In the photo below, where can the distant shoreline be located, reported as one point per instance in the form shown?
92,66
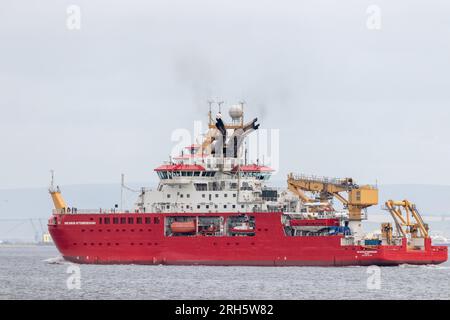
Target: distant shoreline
24,245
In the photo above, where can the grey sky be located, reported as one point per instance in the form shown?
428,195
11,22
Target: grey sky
104,100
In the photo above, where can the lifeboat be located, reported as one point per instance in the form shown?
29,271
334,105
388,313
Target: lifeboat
183,227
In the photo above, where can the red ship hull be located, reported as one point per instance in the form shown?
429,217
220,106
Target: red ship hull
81,238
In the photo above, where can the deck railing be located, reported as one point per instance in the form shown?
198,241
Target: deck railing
87,211
328,180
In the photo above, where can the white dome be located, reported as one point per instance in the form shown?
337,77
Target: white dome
236,112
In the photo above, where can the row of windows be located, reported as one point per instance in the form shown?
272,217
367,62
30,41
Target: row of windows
129,220
257,175
117,230
148,244
207,206
117,244
215,186
174,174
225,195
224,206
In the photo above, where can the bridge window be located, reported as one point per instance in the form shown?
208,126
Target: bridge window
115,220
139,220
163,175
123,220
208,173
148,220
106,220
200,186
130,220
156,220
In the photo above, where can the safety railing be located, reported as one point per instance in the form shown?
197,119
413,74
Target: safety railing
314,178
327,180
89,211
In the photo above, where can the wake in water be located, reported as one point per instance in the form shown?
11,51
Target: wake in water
412,266
56,260
436,267
427,266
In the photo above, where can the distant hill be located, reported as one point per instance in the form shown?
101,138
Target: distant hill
17,206
36,202
430,199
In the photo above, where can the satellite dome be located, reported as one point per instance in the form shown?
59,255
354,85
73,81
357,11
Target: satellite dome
236,112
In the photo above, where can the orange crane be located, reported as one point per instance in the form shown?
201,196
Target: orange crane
409,222
359,197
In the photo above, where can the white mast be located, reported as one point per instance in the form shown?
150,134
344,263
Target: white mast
122,185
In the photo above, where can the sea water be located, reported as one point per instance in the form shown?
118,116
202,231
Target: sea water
38,272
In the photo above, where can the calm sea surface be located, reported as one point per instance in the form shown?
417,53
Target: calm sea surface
39,273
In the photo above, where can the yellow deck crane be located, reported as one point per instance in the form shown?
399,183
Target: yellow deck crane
359,197
410,222
58,200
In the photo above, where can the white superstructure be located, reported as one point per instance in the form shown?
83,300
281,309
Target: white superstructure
214,177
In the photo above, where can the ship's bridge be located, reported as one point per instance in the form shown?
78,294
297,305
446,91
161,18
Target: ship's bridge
253,171
171,171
